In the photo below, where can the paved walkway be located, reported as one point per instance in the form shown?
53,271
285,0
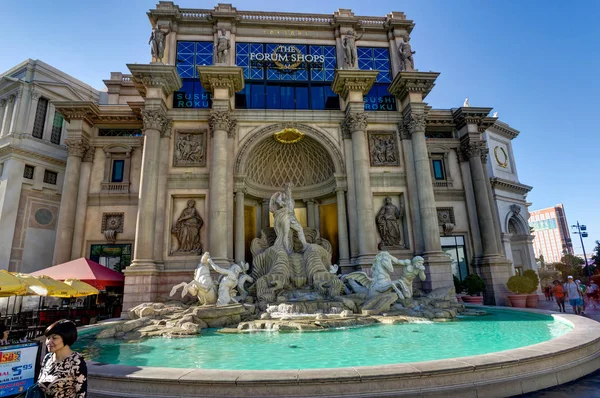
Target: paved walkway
586,387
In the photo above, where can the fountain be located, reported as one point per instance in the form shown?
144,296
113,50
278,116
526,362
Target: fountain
382,327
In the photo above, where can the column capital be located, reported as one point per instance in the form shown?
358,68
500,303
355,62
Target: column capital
89,154
413,123
156,119
11,98
148,78
35,95
351,84
70,110
222,120
2,103
470,148
414,85
354,121
76,147
217,79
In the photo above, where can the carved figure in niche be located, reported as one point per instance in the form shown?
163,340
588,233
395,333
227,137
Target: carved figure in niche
189,148
282,207
228,281
223,47
350,53
407,62
202,286
157,43
187,229
383,150
389,224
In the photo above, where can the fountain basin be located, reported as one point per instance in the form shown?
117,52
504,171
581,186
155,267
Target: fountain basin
503,373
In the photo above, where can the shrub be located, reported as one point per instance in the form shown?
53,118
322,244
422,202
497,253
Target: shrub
473,284
520,284
458,285
531,275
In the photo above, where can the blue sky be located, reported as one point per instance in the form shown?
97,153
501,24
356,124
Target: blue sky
536,62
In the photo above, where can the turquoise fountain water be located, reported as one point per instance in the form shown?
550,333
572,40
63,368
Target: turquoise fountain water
362,346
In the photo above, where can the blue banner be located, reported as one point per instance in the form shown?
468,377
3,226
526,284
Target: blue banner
17,368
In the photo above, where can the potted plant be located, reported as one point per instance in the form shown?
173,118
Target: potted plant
474,286
458,288
532,296
521,286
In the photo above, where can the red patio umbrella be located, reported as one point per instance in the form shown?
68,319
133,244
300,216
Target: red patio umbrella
85,270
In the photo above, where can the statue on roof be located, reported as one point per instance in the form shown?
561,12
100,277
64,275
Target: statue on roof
407,62
157,43
223,47
350,53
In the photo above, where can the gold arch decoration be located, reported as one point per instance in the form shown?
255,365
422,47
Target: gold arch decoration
289,136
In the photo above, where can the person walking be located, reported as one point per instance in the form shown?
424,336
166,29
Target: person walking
573,292
559,293
64,372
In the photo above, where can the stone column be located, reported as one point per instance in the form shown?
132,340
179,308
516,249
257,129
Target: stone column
310,213
35,97
351,85
162,196
2,113
10,193
265,214
240,250
223,82
412,194
82,200
411,88
8,115
76,148
351,198
344,260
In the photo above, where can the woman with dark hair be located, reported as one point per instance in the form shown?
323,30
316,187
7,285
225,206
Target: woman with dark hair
64,372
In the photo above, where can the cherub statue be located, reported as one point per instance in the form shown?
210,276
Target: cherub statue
202,286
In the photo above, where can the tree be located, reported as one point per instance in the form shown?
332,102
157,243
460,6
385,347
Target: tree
596,256
571,265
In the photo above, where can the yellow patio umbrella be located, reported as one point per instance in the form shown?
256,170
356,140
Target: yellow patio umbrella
10,285
34,285
56,288
83,289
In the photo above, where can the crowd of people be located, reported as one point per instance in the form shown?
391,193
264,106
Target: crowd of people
579,295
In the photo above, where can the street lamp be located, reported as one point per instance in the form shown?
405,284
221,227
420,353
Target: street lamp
582,232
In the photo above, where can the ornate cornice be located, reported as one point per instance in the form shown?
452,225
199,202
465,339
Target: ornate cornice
155,119
146,76
215,77
511,186
349,80
87,111
472,115
76,146
504,130
413,82
222,120
354,121
10,150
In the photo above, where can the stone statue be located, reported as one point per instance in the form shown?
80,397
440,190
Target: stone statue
157,43
412,269
389,225
187,230
223,47
350,53
407,62
228,281
202,286
189,149
282,207
495,114
466,104
243,279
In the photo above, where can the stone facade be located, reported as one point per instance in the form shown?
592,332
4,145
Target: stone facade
352,135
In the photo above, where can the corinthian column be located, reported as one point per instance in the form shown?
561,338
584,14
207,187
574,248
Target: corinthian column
2,112
76,148
344,260
82,200
8,115
240,250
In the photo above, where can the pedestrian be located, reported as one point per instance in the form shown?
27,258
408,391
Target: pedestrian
591,293
547,294
64,372
3,333
582,288
559,293
573,292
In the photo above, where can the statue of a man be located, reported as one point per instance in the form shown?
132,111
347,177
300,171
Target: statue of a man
282,207
350,53
389,224
407,62
223,47
157,43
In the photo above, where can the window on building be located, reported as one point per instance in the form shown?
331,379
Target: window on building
115,256
28,172
454,246
50,177
118,166
438,169
191,54
119,133
40,118
378,98
57,126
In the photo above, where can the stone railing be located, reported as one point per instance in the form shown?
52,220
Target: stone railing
305,18
372,20
115,187
194,14
126,78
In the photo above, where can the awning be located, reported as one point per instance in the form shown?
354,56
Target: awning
85,270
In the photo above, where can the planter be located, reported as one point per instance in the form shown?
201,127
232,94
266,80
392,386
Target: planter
532,300
518,300
472,299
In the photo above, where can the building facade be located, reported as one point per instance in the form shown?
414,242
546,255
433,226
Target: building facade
185,152
552,238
